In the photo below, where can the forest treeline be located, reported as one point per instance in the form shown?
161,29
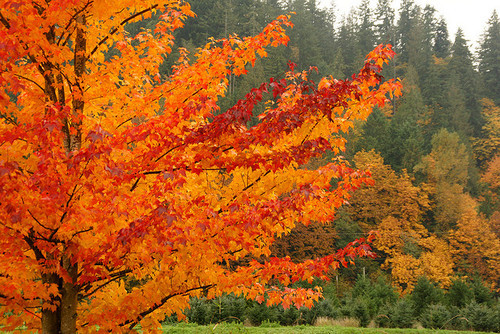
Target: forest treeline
434,153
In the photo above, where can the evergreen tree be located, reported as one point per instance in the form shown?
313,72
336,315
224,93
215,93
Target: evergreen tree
489,59
441,40
404,28
462,70
304,45
375,134
405,133
347,44
420,48
365,33
384,22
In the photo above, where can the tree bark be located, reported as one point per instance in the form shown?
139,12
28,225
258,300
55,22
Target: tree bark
69,299
50,319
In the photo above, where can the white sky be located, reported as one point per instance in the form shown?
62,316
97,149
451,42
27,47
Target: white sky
470,15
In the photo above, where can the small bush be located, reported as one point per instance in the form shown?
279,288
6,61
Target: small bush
289,316
362,287
307,316
458,320
459,294
360,312
425,294
481,317
436,316
381,294
399,315
402,313
325,308
227,308
481,293
198,311
258,313
382,319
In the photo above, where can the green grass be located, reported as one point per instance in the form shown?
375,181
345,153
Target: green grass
276,329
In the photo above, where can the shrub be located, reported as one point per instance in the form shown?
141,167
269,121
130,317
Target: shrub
198,311
459,294
481,293
327,308
436,316
402,313
398,315
481,317
362,287
257,313
361,313
228,308
458,320
382,319
425,294
382,293
289,316
308,316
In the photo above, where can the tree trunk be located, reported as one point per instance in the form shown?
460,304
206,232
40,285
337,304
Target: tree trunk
50,319
69,299
62,320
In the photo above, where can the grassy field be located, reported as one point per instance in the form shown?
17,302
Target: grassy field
276,329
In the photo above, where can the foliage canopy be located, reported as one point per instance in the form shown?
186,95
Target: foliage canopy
125,192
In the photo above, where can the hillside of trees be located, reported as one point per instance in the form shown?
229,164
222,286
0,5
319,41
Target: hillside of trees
434,153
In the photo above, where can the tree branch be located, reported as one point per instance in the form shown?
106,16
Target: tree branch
73,18
32,81
102,41
29,240
132,323
114,277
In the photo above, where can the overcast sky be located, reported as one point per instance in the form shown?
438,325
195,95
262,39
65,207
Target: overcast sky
470,15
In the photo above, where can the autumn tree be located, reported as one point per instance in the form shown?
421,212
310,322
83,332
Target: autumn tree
446,169
395,208
475,247
488,145
125,192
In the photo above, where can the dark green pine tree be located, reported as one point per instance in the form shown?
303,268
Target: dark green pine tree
348,47
429,24
304,44
463,74
489,59
384,22
374,134
404,29
441,40
385,32
420,51
365,33
323,21
407,142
